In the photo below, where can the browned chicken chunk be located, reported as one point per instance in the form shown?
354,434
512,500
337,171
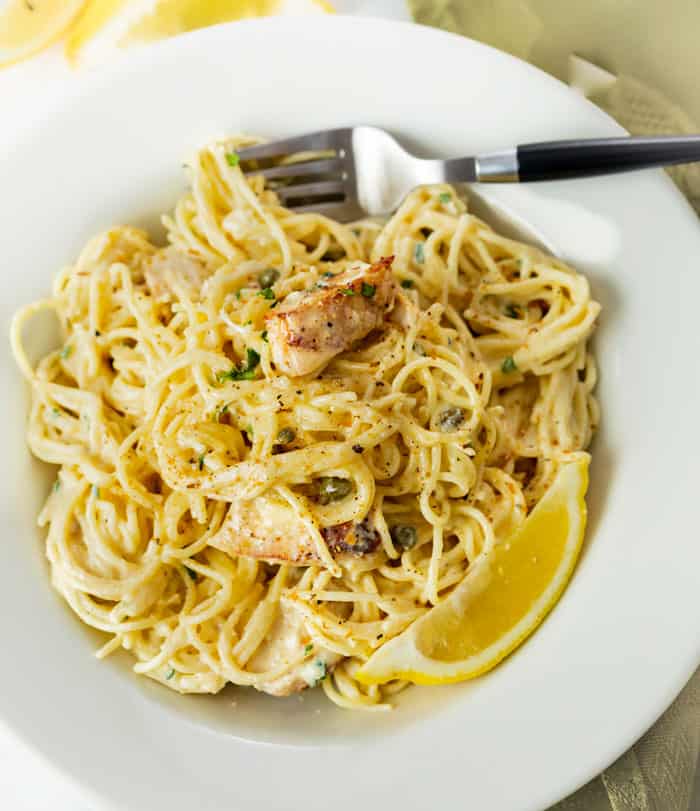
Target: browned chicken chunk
170,268
267,528
309,329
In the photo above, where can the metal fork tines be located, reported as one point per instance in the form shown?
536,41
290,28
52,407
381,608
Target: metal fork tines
313,172
347,173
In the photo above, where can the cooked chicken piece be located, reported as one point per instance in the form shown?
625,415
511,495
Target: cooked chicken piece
309,329
170,267
267,528
288,640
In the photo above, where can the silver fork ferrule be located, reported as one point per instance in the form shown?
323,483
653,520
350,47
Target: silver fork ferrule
497,167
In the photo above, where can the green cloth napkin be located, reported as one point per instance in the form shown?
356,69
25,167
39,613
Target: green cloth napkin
616,72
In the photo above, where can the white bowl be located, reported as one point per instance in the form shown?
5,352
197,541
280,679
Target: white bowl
623,639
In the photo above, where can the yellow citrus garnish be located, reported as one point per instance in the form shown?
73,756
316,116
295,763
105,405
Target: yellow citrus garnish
29,26
109,24
501,600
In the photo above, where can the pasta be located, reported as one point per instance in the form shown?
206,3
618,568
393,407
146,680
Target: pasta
431,437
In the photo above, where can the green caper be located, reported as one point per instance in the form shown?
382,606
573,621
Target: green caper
286,435
451,418
268,277
332,488
404,536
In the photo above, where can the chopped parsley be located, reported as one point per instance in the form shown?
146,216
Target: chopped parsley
237,294
512,311
263,335
348,291
169,673
445,197
368,290
267,293
328,274
407,284
219,413
419,252
244,372
56,486
232,158
191,572
66,351
308,649
200,461
509,365
321,669
56,412
249,430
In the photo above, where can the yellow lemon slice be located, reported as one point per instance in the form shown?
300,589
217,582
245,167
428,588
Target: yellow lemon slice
501,600
110,24
29,26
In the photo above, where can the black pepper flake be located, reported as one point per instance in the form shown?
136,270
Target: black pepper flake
358,448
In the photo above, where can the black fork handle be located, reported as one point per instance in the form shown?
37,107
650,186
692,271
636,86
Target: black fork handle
557,160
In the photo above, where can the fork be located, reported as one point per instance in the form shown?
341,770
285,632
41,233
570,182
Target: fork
361,171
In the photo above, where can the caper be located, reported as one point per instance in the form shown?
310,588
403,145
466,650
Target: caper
332,488
404,536
268,277
286,435
451,418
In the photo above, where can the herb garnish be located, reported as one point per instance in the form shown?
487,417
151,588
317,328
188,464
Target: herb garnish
244,372
368,290
419,253
219,413
232,158
267,293
512,311
407,284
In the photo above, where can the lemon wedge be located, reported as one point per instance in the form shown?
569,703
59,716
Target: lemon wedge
110,24
502,599
29,26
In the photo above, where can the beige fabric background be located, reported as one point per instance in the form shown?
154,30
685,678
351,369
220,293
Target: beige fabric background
638,60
